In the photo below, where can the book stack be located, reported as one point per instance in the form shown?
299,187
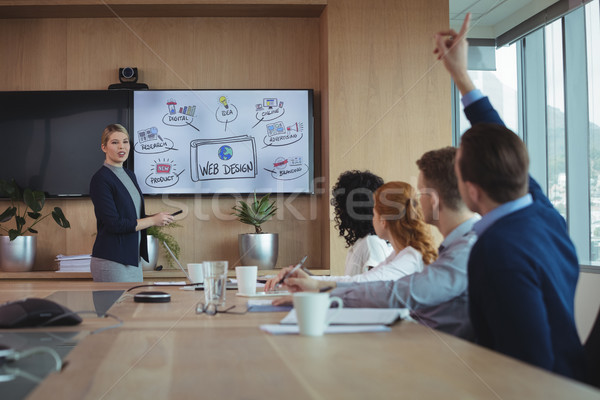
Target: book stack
77,263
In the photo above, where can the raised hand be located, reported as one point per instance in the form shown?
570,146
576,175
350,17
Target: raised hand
452,48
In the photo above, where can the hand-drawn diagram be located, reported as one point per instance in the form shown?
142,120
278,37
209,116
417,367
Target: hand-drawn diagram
164,174
279,135
269,110
230,141
179,115
287,169
227,112
225,158
150,142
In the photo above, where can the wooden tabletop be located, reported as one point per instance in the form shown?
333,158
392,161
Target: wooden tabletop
166,274
167,351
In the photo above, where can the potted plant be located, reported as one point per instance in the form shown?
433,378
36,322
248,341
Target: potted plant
258,248
17,251
156,235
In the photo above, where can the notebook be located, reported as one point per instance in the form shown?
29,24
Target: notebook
357,316
257,295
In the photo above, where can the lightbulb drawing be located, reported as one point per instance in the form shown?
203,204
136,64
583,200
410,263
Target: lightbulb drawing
223,101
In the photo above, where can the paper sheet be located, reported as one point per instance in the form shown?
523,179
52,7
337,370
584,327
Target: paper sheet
357,316
276,329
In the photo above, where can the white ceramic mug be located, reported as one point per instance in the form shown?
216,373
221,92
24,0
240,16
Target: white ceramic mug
195,272
312,311
246,279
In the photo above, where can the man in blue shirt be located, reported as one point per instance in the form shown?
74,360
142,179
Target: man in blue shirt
523,269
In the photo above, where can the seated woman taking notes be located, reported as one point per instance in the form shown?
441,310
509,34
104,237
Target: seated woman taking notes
397,218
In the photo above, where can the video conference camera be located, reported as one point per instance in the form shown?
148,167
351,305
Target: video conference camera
128,78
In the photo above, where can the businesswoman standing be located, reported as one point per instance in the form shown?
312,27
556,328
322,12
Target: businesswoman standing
120,216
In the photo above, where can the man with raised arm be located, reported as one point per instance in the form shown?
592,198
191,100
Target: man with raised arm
523,269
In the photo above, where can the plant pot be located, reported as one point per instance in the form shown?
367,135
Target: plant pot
152,254
17,255
260,249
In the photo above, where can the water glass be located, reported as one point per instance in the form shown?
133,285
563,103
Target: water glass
215,282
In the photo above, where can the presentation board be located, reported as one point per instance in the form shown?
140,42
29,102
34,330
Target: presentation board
223,141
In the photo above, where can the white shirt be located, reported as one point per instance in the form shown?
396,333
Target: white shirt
395,266
368,251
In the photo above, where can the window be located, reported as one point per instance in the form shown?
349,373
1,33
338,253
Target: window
500,86
546,87
592,25
555,117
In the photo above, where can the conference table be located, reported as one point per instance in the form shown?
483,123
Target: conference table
167,351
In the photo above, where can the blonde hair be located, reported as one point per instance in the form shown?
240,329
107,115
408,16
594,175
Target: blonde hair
397,204
109,130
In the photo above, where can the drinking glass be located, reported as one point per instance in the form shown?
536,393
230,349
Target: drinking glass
215,282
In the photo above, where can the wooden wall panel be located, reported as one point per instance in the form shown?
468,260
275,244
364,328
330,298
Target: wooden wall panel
209,231
384,99
34,54
171,53
389,101
325,181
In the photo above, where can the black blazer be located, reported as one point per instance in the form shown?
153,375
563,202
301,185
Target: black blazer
116,218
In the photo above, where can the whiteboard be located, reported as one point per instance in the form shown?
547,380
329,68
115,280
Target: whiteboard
223,141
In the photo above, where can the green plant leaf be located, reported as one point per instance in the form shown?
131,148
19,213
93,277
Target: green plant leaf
256,213
5,188
34,199
8,214
20,222
34,215
13,234
162,236
32,230
10,189
60,218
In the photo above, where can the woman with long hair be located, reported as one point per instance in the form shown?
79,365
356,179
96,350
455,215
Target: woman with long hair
398,219
352,201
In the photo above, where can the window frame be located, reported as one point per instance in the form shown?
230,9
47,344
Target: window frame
532,120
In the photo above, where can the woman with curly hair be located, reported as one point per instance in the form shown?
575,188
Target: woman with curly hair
352,203
397,218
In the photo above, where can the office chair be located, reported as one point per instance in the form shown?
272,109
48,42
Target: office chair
592,353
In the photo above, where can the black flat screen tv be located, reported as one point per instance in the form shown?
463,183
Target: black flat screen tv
51,139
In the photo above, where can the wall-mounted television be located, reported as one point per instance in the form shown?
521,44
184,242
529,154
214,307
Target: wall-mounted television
223,141
51,139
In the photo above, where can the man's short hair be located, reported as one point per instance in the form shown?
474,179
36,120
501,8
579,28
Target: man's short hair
437,167
495,158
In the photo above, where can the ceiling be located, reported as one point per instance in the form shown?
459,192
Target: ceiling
491,18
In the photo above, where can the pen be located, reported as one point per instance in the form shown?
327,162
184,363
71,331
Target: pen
177,213
292,270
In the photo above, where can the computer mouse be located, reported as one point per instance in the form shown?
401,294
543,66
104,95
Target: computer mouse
33,312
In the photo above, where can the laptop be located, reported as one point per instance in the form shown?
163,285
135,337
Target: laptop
194,285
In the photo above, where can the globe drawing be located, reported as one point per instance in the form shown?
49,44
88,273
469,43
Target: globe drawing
225,153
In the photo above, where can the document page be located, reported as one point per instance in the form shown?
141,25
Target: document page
357,316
